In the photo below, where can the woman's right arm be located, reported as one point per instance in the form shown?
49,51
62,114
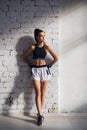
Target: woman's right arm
26,54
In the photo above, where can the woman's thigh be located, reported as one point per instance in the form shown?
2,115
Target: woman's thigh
37,85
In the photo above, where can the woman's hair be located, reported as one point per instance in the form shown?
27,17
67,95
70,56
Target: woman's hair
36,33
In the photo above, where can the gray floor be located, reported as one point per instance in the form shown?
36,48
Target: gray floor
51,122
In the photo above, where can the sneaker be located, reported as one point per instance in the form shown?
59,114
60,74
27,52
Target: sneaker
40,119
38,116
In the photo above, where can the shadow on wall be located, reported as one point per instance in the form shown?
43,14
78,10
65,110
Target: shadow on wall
22,82
80,109
72,45
70,3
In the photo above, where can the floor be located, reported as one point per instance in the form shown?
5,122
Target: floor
51,122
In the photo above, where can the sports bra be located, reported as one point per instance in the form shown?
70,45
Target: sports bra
39,53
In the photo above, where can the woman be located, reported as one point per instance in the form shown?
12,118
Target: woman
40,70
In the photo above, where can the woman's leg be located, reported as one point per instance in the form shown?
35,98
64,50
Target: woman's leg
43,92
40,89
37,86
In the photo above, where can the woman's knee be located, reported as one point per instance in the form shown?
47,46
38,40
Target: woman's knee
38,93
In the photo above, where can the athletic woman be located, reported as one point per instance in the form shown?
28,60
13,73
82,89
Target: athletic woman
40,69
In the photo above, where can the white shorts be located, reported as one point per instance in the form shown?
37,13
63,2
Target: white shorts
41,73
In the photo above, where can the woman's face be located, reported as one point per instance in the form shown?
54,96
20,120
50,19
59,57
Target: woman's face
41,37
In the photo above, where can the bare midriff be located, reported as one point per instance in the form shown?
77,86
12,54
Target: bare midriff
38,62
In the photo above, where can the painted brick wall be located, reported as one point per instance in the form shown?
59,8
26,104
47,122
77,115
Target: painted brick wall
18,19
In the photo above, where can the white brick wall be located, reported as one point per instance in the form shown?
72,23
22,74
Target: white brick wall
18,19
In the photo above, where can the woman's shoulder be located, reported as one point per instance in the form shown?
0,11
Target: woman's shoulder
33,46
47,46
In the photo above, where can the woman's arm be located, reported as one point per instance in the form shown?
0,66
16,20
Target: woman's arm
26,54
53,54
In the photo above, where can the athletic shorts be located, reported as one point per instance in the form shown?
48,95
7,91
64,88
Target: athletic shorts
40,73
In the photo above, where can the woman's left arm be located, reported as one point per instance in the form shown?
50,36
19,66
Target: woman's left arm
53,54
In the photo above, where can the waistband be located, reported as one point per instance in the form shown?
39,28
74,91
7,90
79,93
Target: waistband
38,66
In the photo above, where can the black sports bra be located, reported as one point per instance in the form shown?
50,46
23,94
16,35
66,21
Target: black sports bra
39,53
